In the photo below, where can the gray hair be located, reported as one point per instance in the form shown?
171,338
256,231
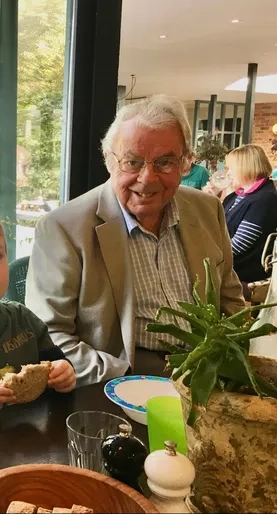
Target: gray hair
155,112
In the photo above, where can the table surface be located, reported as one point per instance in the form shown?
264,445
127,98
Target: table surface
36,432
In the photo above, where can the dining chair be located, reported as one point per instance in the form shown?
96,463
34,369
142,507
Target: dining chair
18,273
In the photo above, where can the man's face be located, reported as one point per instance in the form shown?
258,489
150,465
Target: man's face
4,270
145,194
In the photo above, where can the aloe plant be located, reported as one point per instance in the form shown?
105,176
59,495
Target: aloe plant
215,354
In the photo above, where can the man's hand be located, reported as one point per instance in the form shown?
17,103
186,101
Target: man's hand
62,376
6,395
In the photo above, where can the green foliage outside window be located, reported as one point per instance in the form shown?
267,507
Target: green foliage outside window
40,94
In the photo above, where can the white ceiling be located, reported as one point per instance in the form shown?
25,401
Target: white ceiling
203,52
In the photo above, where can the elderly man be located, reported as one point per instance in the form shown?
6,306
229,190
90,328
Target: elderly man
103,263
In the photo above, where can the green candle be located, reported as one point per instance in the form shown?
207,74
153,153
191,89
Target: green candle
165,423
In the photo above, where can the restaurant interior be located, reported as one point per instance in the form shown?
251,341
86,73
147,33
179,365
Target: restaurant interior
146,441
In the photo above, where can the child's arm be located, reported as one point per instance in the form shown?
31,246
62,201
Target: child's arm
62,376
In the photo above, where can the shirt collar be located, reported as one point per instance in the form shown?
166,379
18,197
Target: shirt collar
241,192
171,216
131,223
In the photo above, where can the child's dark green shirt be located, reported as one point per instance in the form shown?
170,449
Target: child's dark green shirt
24,338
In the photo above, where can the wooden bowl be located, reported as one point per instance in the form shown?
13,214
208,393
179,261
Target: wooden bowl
52,485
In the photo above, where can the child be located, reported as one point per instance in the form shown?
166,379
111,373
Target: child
24,339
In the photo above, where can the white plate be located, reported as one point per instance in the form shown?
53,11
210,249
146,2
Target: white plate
132,392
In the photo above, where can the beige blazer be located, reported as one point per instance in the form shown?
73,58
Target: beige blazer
80,279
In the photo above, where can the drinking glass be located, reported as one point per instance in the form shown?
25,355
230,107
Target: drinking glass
220,179
165,423
85,433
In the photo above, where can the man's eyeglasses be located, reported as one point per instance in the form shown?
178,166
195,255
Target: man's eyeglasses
160,165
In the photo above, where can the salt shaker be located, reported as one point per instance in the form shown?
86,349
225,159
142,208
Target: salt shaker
169,477
124,456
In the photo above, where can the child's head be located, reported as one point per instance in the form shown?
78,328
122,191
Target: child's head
4,269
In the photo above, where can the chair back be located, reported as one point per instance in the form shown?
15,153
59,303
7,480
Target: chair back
17,284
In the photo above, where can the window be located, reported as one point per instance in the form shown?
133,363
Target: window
34,187
58,93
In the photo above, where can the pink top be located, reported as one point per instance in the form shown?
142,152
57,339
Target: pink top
241,192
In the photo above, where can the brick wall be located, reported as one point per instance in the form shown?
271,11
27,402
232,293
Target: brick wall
264,119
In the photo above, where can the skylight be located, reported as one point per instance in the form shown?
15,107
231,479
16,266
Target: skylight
266,84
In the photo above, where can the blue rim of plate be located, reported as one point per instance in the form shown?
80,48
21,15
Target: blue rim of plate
109,389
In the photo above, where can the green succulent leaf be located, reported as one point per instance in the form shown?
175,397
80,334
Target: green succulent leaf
242,356
175,331
210,292
177,359
241,317
198,326
233,370
266,387
263,330
172,348
180,371
207,312
186,378
195,294
202,383
205,349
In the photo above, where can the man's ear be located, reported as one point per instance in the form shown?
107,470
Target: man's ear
186,165
107,159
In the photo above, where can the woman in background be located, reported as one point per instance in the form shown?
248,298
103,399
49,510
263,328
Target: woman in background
251,210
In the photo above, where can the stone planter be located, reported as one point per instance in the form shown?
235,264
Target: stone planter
234,450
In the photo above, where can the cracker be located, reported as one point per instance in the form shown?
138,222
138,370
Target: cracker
17,507
80,509
61,510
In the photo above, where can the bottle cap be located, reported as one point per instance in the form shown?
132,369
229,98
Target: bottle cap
125,430
170,448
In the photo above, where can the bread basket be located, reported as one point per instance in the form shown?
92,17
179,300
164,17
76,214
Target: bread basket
55,485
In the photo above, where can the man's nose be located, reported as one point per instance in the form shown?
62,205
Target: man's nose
148,174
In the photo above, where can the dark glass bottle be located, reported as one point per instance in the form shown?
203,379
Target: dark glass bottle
124,456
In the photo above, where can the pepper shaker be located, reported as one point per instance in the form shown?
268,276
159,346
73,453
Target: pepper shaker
124,455
169,477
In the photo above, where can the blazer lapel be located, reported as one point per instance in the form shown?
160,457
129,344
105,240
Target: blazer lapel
113,239
193,244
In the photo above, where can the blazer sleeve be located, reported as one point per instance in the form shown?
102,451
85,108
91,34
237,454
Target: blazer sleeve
52,292
231,297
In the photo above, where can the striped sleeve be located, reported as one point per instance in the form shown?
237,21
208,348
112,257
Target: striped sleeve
246,235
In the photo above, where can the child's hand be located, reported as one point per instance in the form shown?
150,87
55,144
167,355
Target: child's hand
62,376
6,395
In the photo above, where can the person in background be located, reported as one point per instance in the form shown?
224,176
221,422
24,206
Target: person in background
195,175
250,211
24,339
103,263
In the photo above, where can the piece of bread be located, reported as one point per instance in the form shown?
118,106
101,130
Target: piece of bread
80,509
61,510
17,507
29,383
